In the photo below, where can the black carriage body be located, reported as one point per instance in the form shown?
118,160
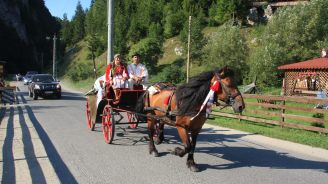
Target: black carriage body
127,102
128,99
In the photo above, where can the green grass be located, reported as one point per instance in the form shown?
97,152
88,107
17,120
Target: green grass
284,133
169,55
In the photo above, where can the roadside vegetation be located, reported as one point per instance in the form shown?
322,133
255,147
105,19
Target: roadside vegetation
219,36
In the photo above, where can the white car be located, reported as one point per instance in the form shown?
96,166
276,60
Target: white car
28,76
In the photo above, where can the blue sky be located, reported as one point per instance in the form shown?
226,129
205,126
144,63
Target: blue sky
57,8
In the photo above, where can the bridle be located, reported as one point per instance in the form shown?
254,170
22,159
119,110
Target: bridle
229,99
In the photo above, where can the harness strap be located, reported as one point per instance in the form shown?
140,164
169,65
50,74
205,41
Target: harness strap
168,108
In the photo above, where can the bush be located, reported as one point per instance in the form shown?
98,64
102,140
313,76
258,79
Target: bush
227,47
173,73
321,116
149,50
264,62
80,71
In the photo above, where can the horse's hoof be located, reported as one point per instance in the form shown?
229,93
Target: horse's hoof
158,141
155,154
194,168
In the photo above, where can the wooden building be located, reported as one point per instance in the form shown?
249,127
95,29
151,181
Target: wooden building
279,3
306,77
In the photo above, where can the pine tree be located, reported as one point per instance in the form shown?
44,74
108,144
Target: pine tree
174,19
78,23
212,12
66,30
232,9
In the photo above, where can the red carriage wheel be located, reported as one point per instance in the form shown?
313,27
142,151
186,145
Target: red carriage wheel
90,122
108,124
132,120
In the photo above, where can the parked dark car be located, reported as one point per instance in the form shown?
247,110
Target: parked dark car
44,85
28,76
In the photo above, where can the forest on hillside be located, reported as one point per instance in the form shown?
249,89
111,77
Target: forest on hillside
292,34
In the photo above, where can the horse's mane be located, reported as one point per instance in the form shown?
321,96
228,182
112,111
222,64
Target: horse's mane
191,95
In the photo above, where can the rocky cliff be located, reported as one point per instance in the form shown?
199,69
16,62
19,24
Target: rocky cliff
24,24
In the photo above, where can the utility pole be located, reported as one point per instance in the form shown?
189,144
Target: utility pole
54,58
110,28
188,56
94,64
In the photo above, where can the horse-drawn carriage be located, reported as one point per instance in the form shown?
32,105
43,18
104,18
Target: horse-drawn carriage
111,109
181,107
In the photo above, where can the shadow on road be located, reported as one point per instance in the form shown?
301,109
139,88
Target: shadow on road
62,171
34,167
9,174
250,156
238,156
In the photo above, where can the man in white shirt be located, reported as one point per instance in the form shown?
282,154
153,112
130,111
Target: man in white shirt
138,73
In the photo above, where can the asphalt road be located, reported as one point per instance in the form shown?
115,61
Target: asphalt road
47,141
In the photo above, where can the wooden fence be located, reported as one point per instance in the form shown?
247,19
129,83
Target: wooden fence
286,111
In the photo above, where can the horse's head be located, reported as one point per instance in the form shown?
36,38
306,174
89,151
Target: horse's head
227,90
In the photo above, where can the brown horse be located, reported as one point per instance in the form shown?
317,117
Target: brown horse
177,107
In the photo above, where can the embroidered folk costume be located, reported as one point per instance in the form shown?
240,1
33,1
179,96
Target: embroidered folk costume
138,73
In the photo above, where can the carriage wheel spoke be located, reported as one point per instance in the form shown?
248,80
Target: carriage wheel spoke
108,124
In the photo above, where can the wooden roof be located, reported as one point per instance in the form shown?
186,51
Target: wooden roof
317,63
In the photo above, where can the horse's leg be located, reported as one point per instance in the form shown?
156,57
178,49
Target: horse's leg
185,141
151,131
160,133
190,160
